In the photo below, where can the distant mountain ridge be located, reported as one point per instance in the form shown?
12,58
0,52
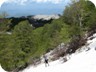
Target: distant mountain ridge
35,20
41,17
46,17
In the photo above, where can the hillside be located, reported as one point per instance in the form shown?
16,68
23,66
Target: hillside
83,60
80,61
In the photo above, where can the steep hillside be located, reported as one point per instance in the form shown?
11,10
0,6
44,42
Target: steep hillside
83,60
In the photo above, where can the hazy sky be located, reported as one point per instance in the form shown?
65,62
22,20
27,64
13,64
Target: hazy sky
32,7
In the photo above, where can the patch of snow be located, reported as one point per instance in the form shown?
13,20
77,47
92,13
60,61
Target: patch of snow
61,46
1,69
8,33
92,43
93,1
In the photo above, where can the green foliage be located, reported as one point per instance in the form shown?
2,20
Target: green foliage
51,34
37,34
90,21
76,12
4,22
23,42
18,48
79,15
64,33
6,53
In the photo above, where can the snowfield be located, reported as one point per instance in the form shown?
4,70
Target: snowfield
83,60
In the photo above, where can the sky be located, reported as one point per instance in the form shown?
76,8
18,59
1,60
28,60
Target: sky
32,7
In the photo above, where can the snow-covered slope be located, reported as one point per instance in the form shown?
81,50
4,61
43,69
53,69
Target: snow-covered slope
83,60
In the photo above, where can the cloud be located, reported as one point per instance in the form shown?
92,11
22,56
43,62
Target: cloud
23,2
52,1
1,2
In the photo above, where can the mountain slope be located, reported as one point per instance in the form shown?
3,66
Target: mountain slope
84,61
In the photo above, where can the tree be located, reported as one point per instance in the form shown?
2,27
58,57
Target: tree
76,12
23,42
76,15
4,22
19,47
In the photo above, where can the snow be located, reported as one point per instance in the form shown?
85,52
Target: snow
93,1
1,69
80,62
84,61
93,42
